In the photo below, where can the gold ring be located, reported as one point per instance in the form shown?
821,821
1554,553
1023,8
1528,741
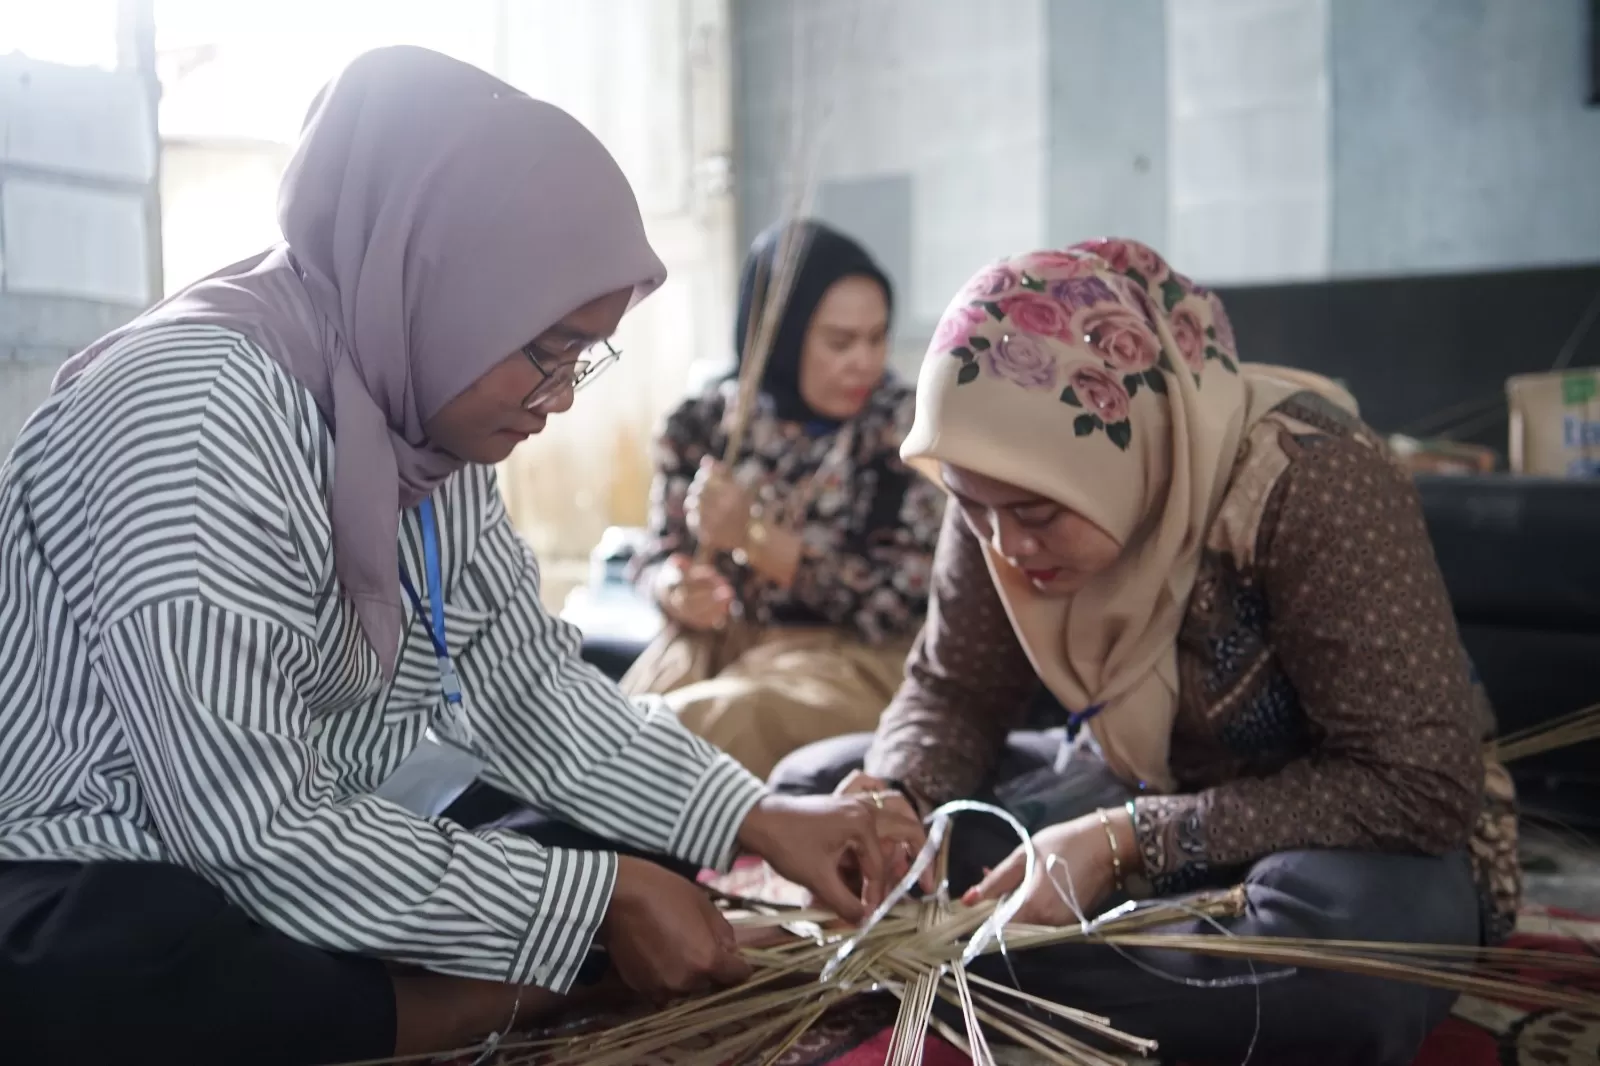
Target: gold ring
877,799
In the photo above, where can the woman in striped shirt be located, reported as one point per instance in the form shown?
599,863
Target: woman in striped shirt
263,619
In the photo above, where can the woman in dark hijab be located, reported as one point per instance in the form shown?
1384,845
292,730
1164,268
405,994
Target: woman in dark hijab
823,538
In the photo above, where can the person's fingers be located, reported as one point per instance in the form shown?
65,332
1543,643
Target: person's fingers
861,781
730,968
970,896
717,922
697,600
705,593
896,819
1003,878
903,856
868,849
1038,909
693,966
708,603
830,890
850,873
899,856
903,836
855,781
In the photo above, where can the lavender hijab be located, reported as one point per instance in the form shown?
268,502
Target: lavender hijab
435,219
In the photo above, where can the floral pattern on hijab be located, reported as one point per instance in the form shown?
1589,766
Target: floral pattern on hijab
1003,320
1044,362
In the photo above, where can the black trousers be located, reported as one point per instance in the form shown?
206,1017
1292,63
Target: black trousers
1201,1011
124,962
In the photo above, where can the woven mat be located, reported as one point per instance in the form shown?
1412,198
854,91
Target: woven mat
1479,1033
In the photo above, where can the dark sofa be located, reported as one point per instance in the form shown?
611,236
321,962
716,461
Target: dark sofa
1521,557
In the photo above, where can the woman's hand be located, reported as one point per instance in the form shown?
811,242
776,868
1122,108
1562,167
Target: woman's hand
718,509
664,936
1082,852
822,842
880,793
692,594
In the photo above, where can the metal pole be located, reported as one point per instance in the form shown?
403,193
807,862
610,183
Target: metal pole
136,54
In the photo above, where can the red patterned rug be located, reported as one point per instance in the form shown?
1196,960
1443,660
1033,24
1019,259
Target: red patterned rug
1481,1033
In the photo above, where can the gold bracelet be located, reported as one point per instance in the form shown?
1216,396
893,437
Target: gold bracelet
1116,855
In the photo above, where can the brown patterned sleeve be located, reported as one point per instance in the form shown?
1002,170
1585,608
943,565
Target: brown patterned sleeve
871,573
684,440
875,579
1362,625
967,680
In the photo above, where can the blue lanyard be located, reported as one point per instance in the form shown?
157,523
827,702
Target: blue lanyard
449,684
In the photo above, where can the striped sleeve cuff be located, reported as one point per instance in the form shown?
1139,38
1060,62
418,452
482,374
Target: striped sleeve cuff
708,829
574,892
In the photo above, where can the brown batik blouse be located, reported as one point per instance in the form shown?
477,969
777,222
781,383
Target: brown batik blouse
868,523
1325,700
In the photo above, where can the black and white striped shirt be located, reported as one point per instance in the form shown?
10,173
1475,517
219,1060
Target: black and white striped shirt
181,680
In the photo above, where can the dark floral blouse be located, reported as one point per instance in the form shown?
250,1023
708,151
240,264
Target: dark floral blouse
868,523
1325,700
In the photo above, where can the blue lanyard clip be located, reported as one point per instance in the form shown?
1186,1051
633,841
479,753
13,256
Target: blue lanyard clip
449,683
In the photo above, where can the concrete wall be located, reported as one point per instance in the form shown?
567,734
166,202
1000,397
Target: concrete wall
933,146
77,255
1253,140
1338,138
1107,165
1248,119
1461,139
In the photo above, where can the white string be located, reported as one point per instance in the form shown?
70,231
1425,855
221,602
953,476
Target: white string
924,857
492,1043
1069,896
939,823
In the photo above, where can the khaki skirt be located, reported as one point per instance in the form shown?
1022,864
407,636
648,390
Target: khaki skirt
761,693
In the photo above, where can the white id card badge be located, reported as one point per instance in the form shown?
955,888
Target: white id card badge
432,777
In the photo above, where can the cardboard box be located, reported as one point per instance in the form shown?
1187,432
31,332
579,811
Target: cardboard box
1555,423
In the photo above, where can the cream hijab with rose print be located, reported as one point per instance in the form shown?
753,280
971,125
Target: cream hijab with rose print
1100,378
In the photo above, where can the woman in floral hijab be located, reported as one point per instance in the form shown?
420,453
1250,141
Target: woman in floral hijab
1217,571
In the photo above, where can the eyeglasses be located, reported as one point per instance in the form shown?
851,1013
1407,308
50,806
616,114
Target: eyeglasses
572,375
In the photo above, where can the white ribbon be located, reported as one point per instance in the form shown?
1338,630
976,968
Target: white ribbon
938,825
